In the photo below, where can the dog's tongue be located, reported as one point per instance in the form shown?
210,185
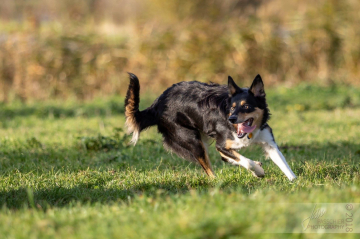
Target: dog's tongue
244,128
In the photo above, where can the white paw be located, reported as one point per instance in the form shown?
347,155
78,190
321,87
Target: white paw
257,170
258,163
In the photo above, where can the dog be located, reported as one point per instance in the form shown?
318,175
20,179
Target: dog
188,114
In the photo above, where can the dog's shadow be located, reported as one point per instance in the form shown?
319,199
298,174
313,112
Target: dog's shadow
83,194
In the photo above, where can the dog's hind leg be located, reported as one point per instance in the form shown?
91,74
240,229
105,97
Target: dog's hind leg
204,160
187,144
195,152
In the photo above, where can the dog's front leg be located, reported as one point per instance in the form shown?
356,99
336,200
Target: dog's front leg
266,139
234,158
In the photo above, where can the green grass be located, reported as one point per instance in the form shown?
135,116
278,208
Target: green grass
73,175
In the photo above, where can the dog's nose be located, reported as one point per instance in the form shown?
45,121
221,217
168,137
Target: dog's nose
233,119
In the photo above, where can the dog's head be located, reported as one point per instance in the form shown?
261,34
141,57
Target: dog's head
248,109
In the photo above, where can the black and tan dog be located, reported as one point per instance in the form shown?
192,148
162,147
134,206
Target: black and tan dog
189,113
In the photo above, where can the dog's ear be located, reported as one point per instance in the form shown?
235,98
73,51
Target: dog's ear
233,88
257,87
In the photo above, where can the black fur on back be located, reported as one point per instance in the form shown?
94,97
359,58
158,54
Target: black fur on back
216,98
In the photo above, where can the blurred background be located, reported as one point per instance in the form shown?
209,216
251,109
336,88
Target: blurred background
81,49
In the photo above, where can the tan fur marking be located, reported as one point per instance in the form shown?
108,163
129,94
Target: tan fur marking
228,144
231,151
243,102
131,124
258,115
129,113
130,107
205,163
206,167
237,155
233,105
223,155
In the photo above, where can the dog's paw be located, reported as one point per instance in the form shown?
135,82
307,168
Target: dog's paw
257,170
258,163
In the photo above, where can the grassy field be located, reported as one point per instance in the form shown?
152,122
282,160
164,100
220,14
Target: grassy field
66,171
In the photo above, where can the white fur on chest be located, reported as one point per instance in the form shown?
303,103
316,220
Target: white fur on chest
245,141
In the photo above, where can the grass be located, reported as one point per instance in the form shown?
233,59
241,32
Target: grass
69,175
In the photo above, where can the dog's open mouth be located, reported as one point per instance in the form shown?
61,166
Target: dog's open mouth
245,127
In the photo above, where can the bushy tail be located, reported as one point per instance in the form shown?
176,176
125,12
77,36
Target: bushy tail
136,120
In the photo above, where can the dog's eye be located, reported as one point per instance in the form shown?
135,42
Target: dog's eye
246,107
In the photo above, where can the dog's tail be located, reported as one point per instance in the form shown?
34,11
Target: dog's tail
136,120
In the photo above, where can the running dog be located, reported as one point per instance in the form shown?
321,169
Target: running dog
188,114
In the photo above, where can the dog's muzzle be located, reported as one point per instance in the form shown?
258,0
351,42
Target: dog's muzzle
233,119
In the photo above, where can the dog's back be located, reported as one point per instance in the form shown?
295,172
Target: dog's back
185,104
